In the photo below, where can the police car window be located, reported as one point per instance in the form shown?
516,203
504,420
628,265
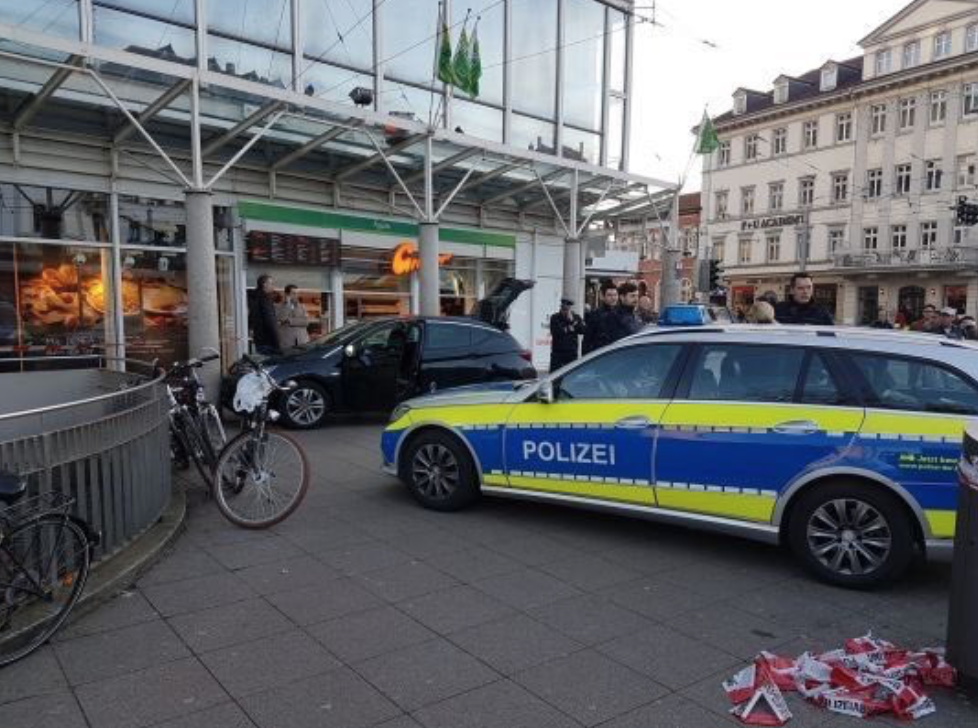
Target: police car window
731,372
634,372
908,384
819,387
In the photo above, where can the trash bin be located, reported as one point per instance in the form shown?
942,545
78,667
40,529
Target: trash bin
962,630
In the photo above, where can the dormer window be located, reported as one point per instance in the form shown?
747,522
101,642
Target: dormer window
830,76
780,92
882,61
942,45
740,102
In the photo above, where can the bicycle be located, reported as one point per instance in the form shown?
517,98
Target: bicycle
196,431
45,557
261,475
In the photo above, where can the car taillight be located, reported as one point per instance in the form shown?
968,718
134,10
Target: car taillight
527,354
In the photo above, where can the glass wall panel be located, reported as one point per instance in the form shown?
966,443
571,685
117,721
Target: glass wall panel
401,99
55,17
534,61
527,133
248,61
53,299
268,22
616,131
583,146
170,11
341,31
617,36
410,39
583,62
56,214
331,82
491,18
146,35
477,120
144,221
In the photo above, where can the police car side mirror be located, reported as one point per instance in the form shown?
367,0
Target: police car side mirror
545,393
349,351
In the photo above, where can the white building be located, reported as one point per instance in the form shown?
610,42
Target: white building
850,171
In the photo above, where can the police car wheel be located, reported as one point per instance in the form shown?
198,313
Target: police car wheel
848,535
439,472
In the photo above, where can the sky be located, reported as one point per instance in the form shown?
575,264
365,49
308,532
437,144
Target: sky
677,74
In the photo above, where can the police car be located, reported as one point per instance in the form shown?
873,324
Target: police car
840,443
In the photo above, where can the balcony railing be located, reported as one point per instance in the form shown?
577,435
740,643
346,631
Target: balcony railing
951,257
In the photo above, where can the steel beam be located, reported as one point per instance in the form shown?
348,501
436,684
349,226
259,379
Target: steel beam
249,121
125,130
32,104
522,188
486,176
561,194
378,157
312,145
443,164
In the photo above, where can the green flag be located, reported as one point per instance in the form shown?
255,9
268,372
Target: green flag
706,140
445,72
475,65
460,66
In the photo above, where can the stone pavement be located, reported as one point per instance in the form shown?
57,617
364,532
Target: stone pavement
365,610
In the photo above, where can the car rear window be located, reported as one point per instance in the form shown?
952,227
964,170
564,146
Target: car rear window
892,382
448,337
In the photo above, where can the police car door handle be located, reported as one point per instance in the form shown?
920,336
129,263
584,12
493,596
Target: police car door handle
796,427
635,422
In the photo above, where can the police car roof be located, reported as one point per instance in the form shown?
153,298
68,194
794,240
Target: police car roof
960,353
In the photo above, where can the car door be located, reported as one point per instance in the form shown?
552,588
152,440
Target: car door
746,422
446,356
596,438
370,375
916,412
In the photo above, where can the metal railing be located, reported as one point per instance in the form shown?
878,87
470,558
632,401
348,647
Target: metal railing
108,450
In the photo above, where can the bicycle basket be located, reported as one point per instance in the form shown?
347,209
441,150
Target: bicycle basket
35,506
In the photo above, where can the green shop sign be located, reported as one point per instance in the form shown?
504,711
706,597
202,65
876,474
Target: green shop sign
263,211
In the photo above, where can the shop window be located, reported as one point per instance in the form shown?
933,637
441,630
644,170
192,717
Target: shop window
54,300
145,221
53,213
154,293
956,297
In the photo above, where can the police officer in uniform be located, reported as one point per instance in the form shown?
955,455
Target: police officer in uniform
565,327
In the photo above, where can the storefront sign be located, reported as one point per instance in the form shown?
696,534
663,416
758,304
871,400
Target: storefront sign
775,221
405,259
287,249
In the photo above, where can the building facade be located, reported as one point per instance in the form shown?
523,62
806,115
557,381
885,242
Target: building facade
850,172
317,142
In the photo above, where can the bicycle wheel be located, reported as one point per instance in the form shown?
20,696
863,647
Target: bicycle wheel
213,428
43,569
260,481
197,447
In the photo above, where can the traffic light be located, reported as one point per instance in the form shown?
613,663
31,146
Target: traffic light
966,213
716,270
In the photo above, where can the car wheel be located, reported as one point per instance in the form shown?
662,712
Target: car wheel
305,407
439,472
852,535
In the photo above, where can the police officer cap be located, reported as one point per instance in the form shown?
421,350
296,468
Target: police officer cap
566,302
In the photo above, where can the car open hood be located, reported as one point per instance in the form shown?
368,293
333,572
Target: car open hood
490,393
494,308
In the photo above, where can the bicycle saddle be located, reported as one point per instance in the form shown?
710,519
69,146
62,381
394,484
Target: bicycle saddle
12,487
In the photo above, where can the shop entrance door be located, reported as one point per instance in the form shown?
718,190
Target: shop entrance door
911,301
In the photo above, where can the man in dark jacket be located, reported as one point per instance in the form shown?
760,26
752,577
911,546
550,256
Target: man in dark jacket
624,321
801,308
565,327
264,323
595,330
